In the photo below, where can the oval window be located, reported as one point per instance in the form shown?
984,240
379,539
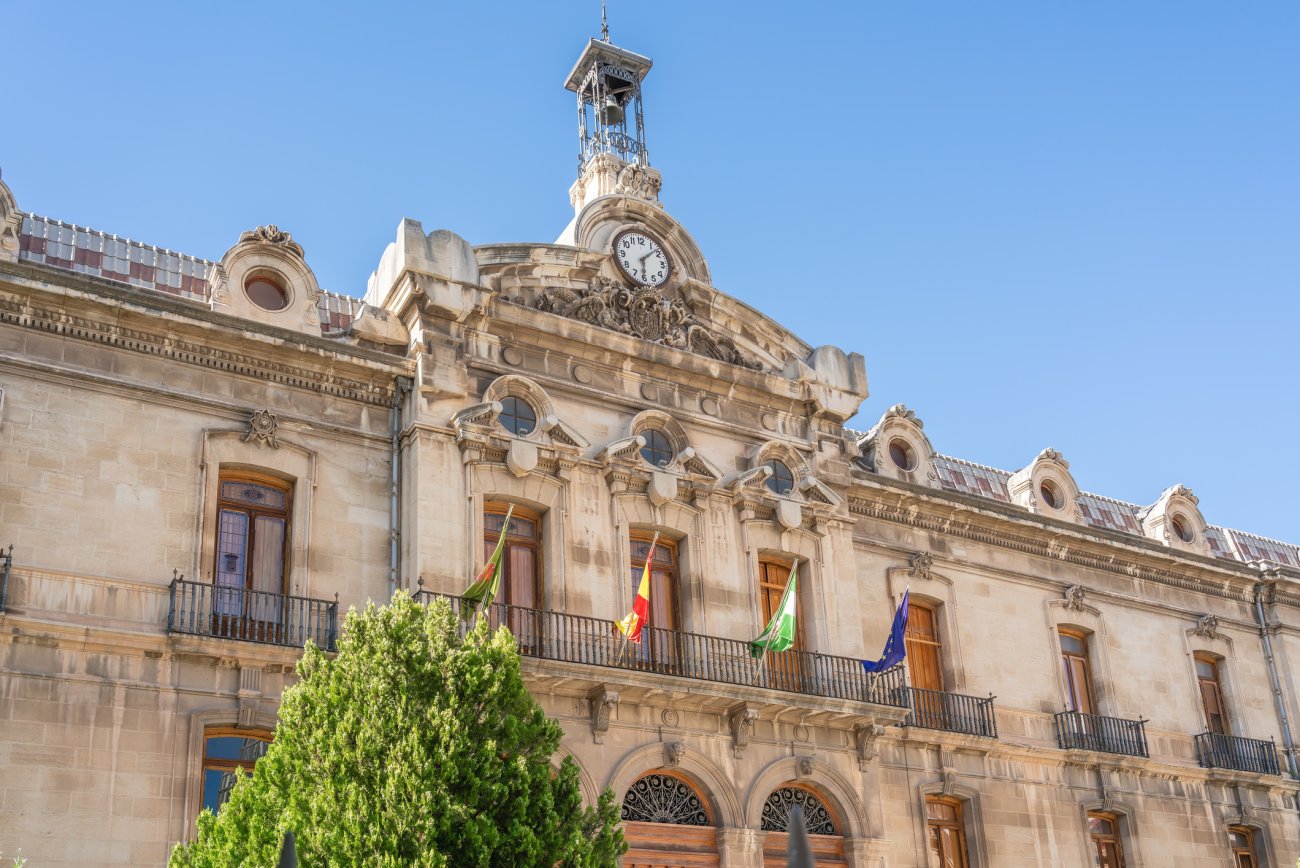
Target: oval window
782,480
517,416
1182,527
266,291
1050,493
657,451
902,454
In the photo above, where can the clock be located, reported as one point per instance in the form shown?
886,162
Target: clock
642,258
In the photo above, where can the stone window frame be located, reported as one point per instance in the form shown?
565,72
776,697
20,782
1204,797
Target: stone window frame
938,590
667,425
1087,620
1215,645
225,452
972,816
1023,487
528,390
1126,829
200,723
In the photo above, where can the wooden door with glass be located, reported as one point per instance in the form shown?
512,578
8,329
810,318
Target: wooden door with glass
251,568
518,597
660,646
785,669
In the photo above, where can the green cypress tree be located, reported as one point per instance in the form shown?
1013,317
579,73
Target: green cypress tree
412,747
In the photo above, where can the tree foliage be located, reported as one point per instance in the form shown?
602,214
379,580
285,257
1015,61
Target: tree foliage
412,747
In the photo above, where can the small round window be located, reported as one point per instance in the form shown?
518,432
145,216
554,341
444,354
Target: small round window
266,291
902,454
658,451
1050,493
517,416
782,480
1182,527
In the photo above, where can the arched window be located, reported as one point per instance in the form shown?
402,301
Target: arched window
1079,693
224,751
665,798
1103,832
1242,841
667,821
946,831
817,818
1207,679
659,640
252,556
520,586
924,648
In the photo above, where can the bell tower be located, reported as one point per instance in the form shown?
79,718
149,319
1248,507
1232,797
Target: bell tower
612,157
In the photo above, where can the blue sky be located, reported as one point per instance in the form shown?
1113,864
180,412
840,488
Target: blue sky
1044,224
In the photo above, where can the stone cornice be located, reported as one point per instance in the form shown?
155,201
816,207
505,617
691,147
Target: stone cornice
141,308
1048,544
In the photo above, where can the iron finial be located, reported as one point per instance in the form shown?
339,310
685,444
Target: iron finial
604,23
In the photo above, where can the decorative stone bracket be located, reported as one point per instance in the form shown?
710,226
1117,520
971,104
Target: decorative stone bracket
741,719
250,696
602,701
673,753
864,739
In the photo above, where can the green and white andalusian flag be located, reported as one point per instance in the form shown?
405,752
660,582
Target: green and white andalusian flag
779,633
484,589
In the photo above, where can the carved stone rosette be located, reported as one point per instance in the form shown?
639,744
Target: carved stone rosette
262,426
644,313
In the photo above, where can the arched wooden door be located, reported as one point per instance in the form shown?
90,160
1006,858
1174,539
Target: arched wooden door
825,831
667,824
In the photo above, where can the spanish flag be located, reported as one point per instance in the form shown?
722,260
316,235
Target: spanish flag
631,625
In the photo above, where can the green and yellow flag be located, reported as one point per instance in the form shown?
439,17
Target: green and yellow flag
780,631
484,589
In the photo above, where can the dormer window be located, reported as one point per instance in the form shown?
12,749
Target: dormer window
782,480
266,290
1182,528
517,416
658,449
902,454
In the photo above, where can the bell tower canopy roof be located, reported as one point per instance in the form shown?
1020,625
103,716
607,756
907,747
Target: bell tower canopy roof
599,51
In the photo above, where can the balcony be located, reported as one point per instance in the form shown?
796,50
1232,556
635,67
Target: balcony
1079,731
595,642
201,609
951,712
1217,751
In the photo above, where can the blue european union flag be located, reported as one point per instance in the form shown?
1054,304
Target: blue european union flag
895,647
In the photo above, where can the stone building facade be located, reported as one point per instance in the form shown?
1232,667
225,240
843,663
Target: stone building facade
204,463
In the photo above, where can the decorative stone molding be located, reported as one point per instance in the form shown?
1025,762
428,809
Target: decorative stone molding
602,701
805,767
920,564
639,181
262,426
272,234
865,738
11,224
741,719
673,753
250,696
1074,598
645,313
1207,627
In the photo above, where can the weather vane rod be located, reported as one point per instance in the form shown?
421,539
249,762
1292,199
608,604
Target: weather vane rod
604,23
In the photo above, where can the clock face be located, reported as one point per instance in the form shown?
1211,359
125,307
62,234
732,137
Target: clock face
641,258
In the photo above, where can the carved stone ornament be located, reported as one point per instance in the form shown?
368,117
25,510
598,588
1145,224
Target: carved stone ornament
741,720
1207,626
673,753
262,426
639,181
865,738
1074,598
900,411
920,563
805,766
644,313
602,701
272,234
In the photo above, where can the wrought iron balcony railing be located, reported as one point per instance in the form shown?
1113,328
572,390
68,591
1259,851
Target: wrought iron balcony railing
1075,729
6,565
1217,751
951,712
594,642
202,609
